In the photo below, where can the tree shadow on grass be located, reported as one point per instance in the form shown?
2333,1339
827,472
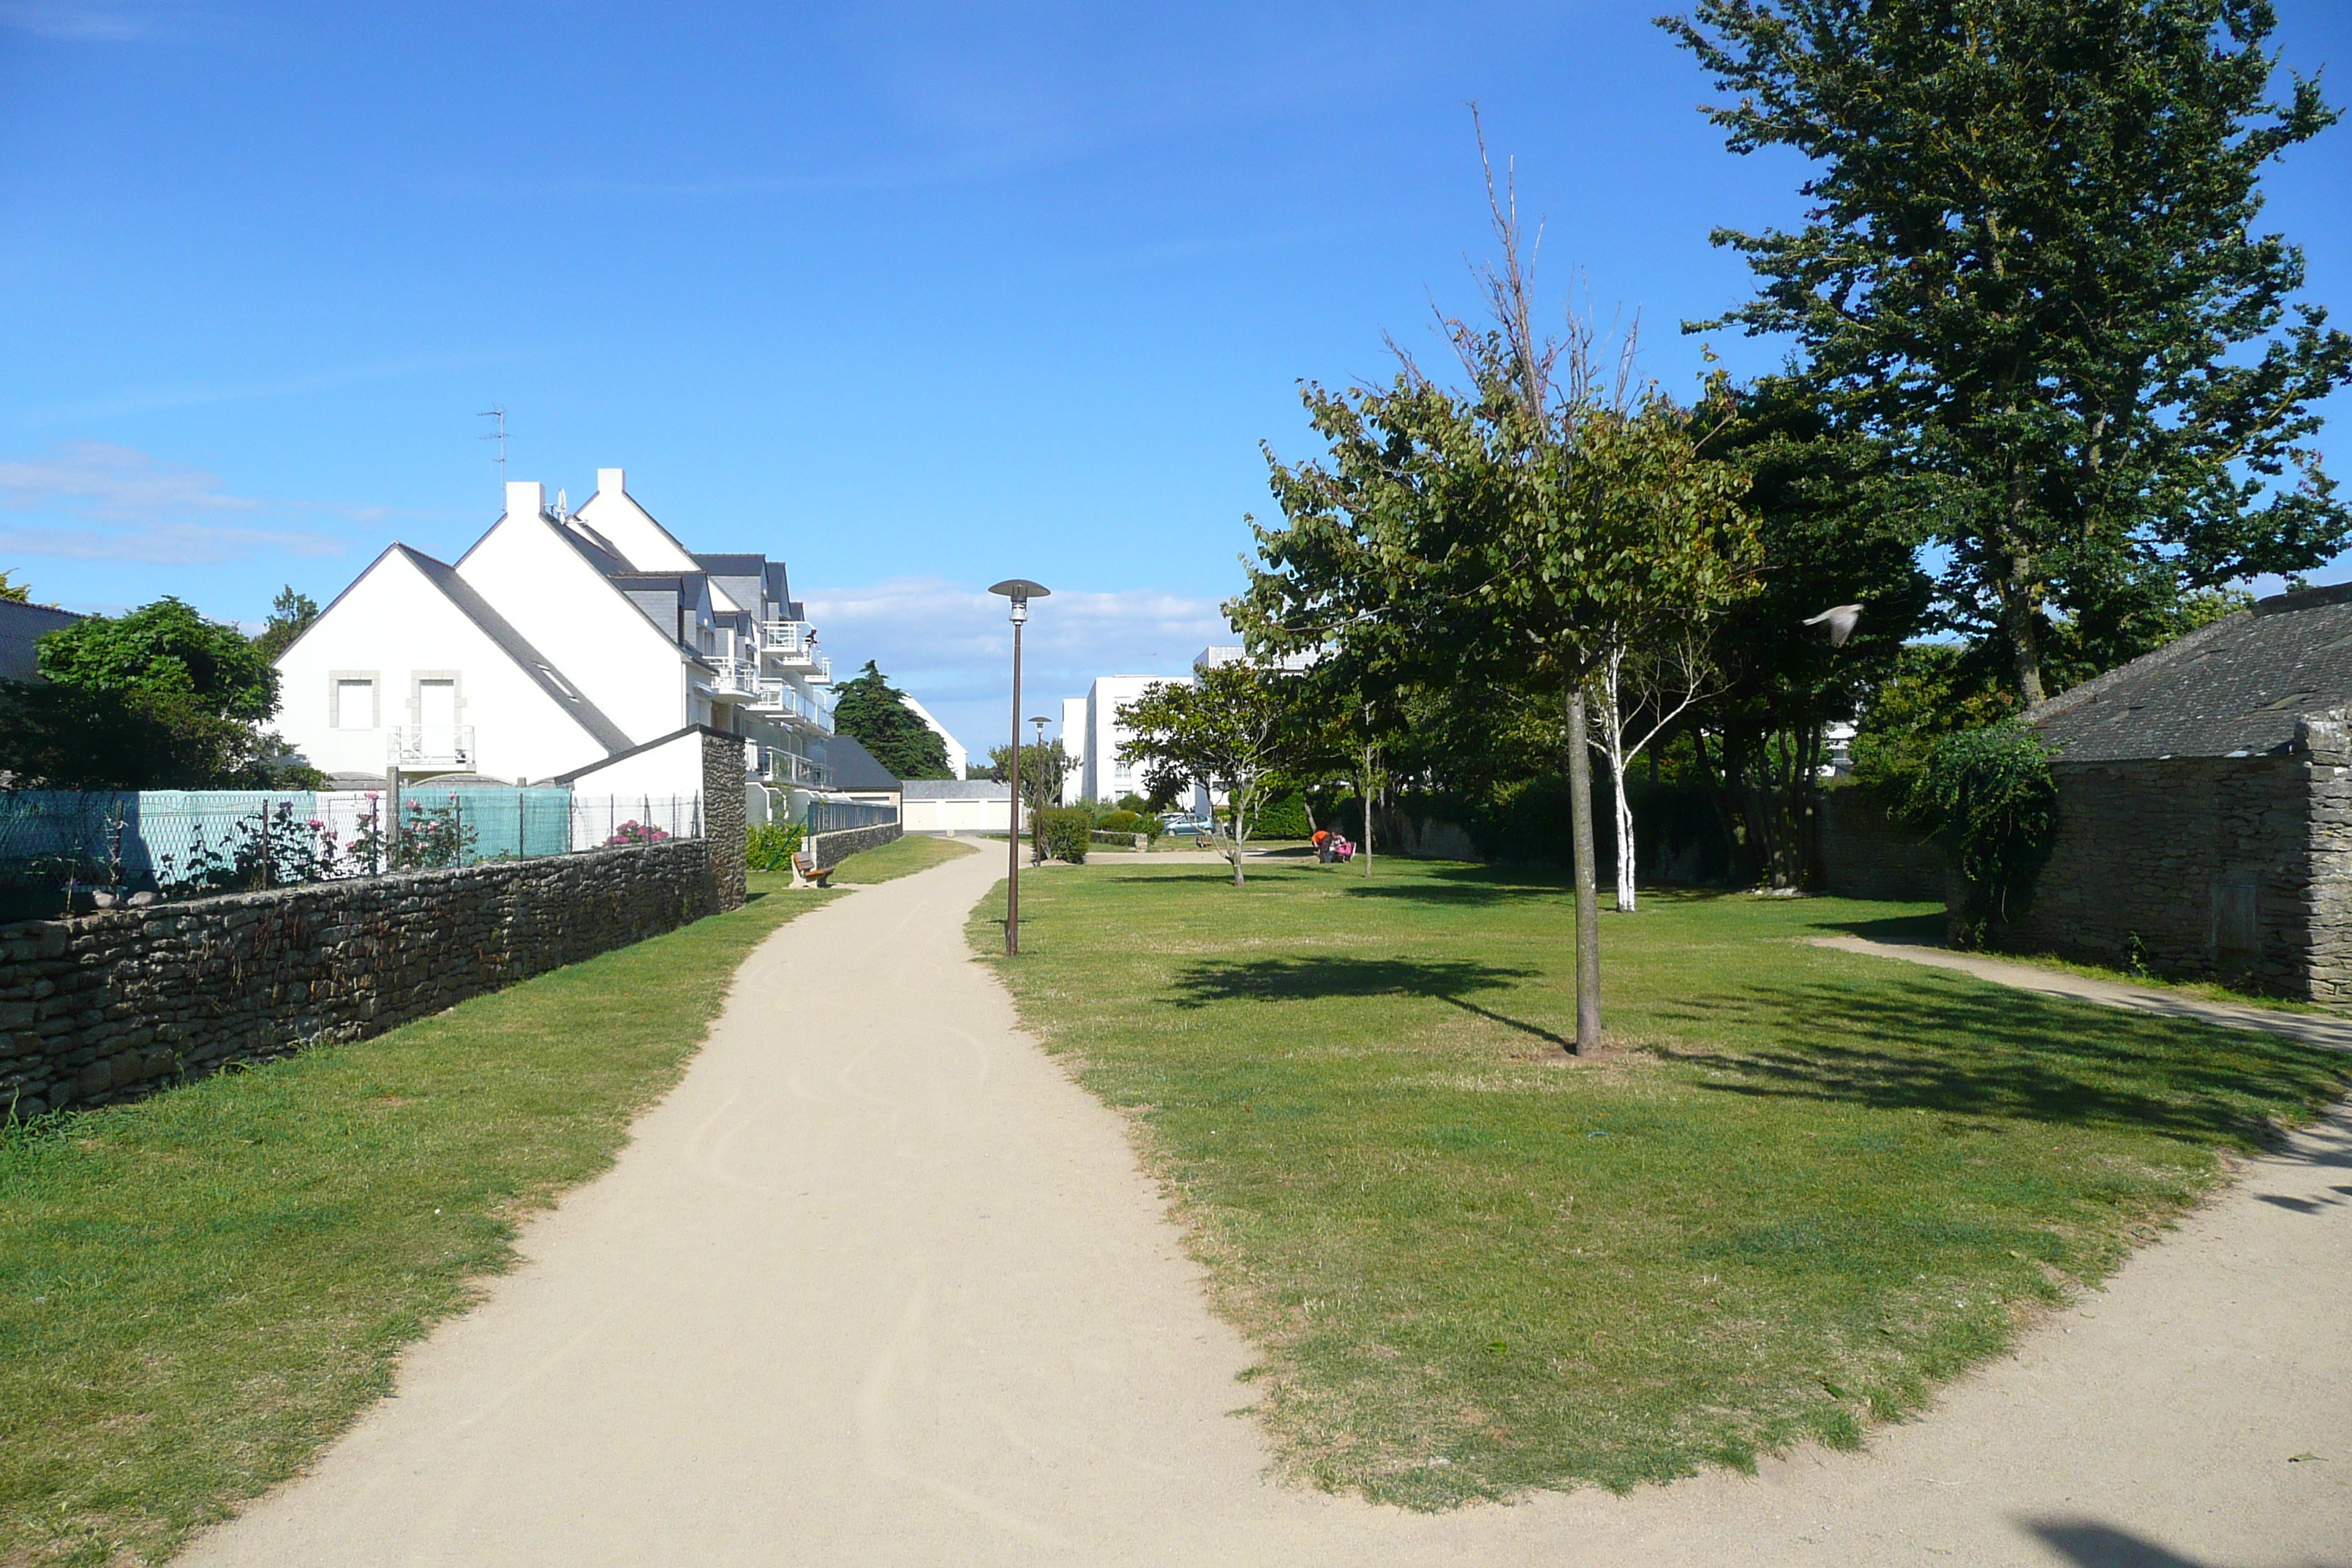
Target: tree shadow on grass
1936,1045
1211,981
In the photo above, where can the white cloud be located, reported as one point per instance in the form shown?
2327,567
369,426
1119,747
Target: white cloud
128,506
952,646
69,23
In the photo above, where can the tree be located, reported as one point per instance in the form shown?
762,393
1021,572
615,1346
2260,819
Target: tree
1483,535
2029,267
290,615
157,699
12,592
1228,731
1044,766
1836,528
872,712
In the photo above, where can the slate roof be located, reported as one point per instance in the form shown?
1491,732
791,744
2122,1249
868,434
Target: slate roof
854,766
532,663
2233,688
22,627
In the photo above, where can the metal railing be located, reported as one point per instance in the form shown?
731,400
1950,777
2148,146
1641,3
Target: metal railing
429,745
782,697
793,641
736,677
777,765
839,816
63,851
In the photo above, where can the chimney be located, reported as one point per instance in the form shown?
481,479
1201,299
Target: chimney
612,481
526,498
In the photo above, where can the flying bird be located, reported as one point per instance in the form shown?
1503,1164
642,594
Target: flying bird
1841,618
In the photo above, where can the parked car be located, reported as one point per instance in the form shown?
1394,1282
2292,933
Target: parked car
1186,824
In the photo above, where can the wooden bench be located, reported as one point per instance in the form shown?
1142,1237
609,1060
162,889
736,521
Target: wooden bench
807,873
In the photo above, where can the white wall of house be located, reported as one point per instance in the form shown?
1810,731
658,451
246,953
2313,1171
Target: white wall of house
572,613
958,760
920,816
674,767
643,543
1074,742
398,653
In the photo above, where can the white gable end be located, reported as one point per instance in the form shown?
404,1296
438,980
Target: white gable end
644,543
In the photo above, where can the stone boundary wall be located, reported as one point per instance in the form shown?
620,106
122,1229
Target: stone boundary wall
726,816
2207,864
1866,853
832,848
110,1005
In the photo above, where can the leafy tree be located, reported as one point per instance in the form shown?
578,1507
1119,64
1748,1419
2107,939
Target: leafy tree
1506,534
1044,766
290,615
873,714
157,699
2028,266
1987,794
1230,731
1834,530
12,592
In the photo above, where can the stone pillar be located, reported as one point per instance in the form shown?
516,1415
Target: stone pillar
723,816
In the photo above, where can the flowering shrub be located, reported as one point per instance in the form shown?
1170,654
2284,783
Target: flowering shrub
636,832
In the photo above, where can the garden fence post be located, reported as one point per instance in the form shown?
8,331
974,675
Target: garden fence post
523,833
268,869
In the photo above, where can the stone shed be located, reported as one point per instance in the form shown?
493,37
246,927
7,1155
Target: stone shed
2205,803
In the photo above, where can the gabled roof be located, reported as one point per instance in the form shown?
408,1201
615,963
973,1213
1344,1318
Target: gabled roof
2232,688
854,766
513,643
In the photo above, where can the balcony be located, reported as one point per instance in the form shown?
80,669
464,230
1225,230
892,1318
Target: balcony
778,766
789,645
735,680
428,746
782,699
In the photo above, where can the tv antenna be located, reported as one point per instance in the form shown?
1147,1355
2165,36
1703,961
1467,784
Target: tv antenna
497,411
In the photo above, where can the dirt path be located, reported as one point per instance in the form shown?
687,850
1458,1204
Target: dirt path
879,1285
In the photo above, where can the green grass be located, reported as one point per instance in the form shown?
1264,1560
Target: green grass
1806,1186
901,857
197,1291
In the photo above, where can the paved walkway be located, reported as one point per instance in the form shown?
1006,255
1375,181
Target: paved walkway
2331,1030
879,1285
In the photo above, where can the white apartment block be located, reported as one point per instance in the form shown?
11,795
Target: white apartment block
584,648
1092,735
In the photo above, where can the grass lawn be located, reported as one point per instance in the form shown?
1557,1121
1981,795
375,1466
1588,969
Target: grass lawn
1807,1186
902,857
197,1291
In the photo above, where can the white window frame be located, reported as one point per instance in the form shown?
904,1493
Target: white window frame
416,679
335,679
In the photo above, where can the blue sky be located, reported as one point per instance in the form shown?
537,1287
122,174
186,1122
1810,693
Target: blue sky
914,298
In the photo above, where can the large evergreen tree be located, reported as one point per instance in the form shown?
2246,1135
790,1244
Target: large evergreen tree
873,714
2029,267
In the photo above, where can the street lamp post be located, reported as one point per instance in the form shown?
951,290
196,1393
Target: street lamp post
1020,590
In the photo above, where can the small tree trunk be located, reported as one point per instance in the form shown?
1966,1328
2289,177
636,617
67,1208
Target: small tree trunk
1364,799
1612,737
1588,902
1241,829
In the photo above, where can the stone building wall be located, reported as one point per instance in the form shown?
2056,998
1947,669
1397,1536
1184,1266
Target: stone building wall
832,848
109,1005
1866,853
2201,867
726,815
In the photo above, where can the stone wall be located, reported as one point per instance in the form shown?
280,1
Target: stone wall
726,815
832,848
1866,853
109,1005
2201,868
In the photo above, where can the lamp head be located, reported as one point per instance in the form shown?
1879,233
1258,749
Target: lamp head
1020,590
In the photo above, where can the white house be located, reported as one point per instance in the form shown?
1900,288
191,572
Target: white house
958,760
586,649
955,805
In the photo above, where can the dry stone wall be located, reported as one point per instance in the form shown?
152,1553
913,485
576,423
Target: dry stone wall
110,1005
1866,853
2230,869
832,848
